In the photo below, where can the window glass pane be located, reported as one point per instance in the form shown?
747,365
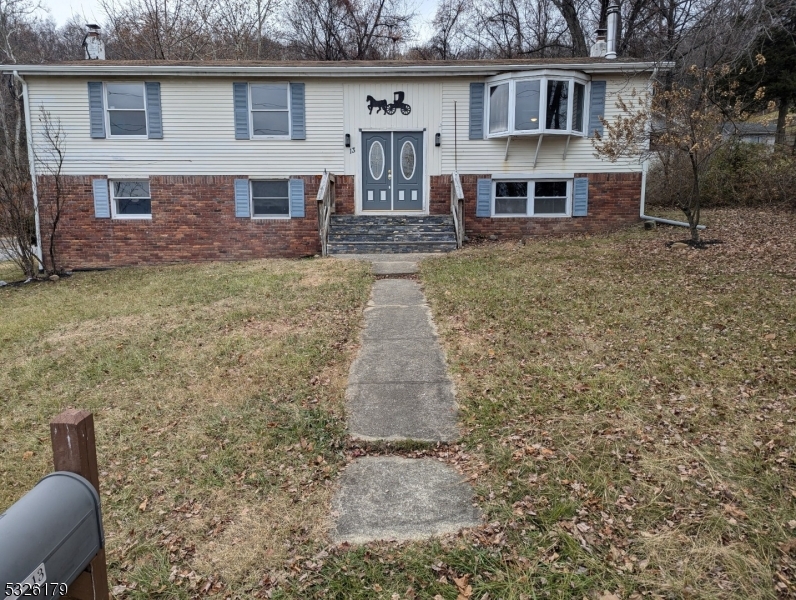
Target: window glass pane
271,206
526,107
270,123
127,122
549,206
131,189
376,160
510,206
269,189
557,97
133,206
269,96
499,108
511,188
125,95
408,160
551,188
577,106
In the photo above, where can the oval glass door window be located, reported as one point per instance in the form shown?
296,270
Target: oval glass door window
408,160
376,160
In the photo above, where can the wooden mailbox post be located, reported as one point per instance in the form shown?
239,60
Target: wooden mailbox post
75,450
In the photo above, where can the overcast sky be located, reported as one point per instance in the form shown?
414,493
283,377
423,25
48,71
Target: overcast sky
90,11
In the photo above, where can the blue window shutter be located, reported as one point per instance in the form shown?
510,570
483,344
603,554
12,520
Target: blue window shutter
154,113
240,99
580,197
96,109
483,206
102,206
298,125
242,198
596,107
296,193
476,111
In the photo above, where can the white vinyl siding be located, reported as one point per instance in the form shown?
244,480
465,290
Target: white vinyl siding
198,133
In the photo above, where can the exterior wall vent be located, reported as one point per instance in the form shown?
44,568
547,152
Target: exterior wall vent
92,43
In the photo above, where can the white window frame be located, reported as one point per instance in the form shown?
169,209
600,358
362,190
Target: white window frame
289,214
114,214
108,113
252,110
543,77
531,198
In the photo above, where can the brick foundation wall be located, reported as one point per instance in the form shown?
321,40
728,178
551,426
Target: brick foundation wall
614,202
193,219
344,195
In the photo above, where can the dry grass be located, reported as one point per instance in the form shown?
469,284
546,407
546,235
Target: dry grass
635,400
217,392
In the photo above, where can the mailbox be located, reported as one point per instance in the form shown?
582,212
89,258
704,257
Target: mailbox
49,536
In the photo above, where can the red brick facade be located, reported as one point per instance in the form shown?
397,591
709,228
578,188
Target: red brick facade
614,202
193,219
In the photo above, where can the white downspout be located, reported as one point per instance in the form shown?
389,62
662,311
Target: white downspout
32,164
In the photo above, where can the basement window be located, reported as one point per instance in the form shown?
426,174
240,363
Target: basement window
270,199
547,104
532,198
131,200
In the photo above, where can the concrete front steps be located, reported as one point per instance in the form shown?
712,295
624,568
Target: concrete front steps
365,234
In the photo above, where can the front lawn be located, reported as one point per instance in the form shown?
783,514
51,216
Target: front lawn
217,395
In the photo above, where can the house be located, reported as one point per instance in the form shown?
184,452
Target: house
187,161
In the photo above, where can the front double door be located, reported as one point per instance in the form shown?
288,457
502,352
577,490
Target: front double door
392,170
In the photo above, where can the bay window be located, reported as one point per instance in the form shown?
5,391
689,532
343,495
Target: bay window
538,105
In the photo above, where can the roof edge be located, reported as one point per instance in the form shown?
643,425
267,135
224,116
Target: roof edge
97,68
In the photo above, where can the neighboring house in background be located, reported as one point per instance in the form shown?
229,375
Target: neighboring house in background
753,133
183,161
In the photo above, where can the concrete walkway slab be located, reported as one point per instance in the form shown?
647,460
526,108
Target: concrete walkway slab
396,267
402,411
398,322
398,361
396,292
392,498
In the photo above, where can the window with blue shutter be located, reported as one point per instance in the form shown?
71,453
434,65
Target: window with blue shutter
477,111
580,197
297,198
298,125
240,98
596,108
483,206
102,205
242,198
96,109
154,112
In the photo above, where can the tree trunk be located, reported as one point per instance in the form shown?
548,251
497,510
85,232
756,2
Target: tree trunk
570,14
782,118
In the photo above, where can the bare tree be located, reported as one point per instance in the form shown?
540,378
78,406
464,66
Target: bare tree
50,156
678,130
348,29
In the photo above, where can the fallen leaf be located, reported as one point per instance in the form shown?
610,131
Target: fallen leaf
609,596
142,506
27,455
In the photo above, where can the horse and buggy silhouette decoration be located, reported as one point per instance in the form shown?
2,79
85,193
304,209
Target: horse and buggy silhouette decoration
389,108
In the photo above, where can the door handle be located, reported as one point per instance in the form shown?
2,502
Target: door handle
389,173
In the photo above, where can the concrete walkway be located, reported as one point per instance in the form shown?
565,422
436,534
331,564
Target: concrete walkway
399,389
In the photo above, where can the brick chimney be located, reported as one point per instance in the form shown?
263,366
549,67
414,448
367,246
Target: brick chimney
92,43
